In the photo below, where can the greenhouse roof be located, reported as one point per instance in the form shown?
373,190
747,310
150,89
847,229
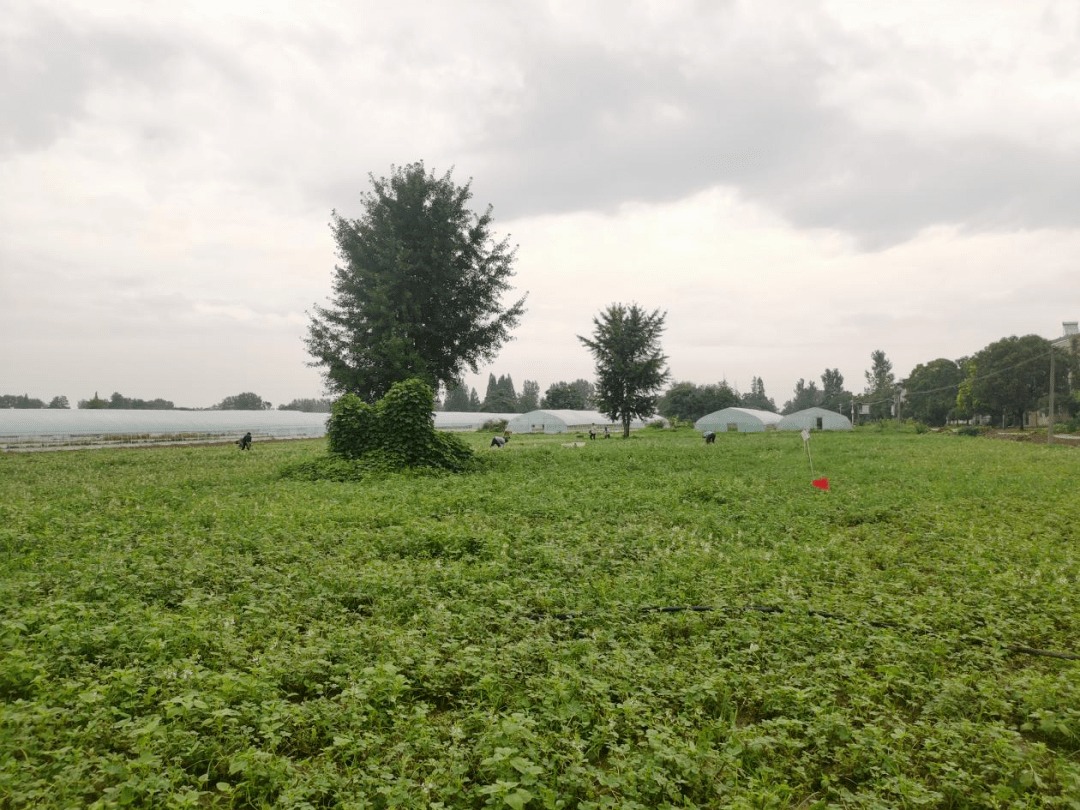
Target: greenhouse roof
92,426
569,417
807,418
467,420
765,417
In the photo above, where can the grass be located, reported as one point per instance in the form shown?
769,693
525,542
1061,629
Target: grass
188,627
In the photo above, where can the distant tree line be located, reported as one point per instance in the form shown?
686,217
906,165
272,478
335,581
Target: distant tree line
118,401
26,401
502,397
247,401
1005,380
307,406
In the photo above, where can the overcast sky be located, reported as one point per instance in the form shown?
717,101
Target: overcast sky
796,184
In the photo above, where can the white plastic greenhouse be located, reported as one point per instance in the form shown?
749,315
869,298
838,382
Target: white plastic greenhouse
814,419
466,420
47,428
743,420
562,421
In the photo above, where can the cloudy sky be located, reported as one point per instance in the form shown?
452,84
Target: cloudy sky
796,183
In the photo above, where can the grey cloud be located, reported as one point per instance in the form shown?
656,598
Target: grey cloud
50,65
586,134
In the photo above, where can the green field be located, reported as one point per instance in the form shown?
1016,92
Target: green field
185,627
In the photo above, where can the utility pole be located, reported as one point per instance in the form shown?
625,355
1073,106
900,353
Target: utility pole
1050,430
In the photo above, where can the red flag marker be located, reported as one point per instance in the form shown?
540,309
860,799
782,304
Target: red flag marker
821,483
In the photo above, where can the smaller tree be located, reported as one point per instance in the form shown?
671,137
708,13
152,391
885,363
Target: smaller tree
756,398
530,396
501,397
931,390
243,402
307,406
689,402
94,404
567,396
880,385
59,402
806,396
457,397
833,395
630,366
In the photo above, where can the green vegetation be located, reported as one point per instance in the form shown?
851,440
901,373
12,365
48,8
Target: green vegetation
419,289
185,627
397,432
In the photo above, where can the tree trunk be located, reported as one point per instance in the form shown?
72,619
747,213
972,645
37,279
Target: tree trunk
626,426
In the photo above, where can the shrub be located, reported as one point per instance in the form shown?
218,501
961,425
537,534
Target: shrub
493,426
352,429
397,432
656,424
968,430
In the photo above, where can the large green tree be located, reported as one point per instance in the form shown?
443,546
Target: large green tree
418,291
1011,377
930,391
689,402
630,366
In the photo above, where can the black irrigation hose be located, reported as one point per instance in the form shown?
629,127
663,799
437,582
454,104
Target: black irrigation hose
771,609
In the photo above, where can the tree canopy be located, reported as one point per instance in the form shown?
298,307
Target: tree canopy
501,396
756,398
630,366
417,293
806,396
1010,377
242,402
530,396
689,402
457,397
570,396
307,406
880,385
833,395
931,389
20,401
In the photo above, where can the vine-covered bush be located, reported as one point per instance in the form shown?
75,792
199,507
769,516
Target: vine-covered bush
399,429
